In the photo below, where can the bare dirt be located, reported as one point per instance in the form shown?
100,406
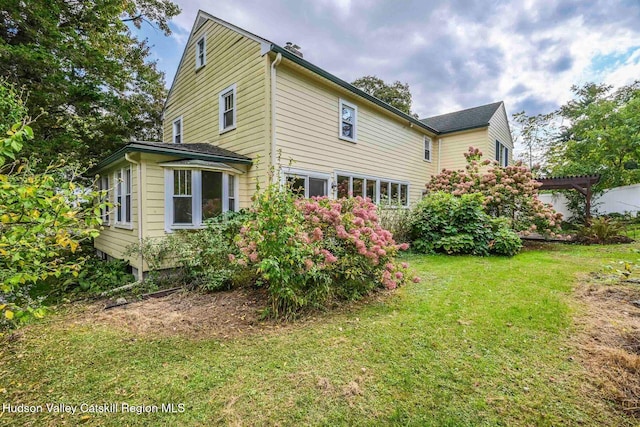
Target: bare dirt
609,341
186,313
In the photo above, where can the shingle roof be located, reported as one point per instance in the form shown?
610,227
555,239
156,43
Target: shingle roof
198,151
465,119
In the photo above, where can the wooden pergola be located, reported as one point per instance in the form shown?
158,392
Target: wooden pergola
581,184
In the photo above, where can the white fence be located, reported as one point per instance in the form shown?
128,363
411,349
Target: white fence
614,200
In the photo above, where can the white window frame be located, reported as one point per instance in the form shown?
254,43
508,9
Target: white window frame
105,214
123,184
377,180
202,39
503,158
221,109
180,134
196,197
355,121
306,174
428,148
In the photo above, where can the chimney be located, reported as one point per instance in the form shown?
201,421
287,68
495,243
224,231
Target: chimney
294,48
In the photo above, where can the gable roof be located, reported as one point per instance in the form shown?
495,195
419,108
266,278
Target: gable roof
195,151
471,118
268,46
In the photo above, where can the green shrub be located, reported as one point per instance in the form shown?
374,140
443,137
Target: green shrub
602,230
98,276
396,219
442,222
200,258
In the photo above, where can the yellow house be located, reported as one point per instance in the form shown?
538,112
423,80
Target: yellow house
240,106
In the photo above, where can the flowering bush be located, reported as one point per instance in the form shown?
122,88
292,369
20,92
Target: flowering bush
310,252
509,192
443,222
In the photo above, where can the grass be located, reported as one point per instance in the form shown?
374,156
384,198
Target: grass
481,341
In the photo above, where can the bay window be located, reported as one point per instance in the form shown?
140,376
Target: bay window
195,195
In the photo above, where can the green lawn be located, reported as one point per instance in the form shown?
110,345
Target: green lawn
481,341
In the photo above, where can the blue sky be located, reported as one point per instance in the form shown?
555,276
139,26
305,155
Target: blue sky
454,54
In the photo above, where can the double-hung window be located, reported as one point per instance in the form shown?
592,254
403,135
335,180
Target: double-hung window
227,109
201,52
380,190
428,148
348,129
177,130
123,196
502,154
103,186
195,195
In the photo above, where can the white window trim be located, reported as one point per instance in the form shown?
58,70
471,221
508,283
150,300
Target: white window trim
377,179
196,198
427,146
173,127
105,213
204,56
123,224
306,174
355,121
221,109
504,153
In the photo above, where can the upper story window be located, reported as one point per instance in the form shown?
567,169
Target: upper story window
227,109
348,121
428,148
177,130
201,52
194,195
123,196
502,154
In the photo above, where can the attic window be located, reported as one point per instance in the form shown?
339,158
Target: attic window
428,148
227,109
201,52
348,121
177,130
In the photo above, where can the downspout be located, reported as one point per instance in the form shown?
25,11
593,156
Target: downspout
274,155
439,151
139,174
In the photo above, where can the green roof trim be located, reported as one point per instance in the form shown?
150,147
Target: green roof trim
319,71
141,147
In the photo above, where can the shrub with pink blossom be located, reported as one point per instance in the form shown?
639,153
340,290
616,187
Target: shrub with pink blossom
312,252
509,192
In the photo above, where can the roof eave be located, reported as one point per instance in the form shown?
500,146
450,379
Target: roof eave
464,129
140,148
319,71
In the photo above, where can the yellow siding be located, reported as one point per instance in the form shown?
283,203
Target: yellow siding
454,146
232,58
499,130
307,120
114,240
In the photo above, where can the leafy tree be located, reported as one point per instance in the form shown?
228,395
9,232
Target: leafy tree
602,136
86,70
535,134
43,218
396,94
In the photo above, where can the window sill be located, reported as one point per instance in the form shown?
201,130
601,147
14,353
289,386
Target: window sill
201,67
426,161
229,129
351,140
124,226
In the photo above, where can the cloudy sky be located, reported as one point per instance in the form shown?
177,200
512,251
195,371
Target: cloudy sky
453,54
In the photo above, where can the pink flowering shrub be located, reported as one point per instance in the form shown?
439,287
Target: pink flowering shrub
509,192
312,252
